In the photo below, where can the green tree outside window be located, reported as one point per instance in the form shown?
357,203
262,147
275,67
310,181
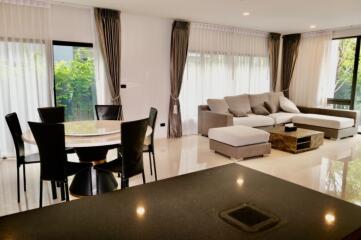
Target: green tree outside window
75,84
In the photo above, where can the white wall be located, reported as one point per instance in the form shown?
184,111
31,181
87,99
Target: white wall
72,24
145,67
347,32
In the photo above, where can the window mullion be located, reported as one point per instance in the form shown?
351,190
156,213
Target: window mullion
355,71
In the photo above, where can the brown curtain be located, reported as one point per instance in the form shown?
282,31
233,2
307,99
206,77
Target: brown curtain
178,57
274,50
289,56
108,29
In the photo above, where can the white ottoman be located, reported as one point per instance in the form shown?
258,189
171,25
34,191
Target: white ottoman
239,141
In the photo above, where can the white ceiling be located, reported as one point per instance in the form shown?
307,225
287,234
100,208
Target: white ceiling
285,16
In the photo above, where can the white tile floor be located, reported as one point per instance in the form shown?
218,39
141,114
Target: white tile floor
334,168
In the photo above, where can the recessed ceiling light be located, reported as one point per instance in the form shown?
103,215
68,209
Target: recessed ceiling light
246,14
313,26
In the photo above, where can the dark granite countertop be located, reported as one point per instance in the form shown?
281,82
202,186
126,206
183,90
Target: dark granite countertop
188,207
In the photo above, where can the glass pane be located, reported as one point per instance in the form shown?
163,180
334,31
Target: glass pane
345,67
75,81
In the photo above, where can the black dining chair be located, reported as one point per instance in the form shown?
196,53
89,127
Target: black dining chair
52,114
149,142
21,158
109,112
55,115
130,162
54,165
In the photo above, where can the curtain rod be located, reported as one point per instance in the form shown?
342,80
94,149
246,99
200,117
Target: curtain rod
215,25
77,5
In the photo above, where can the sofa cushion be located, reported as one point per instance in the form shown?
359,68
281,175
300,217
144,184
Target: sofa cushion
260,110
218,105
253,120
288,106
239,103
258,99
325,121
275,100
238,135
237,113
283,117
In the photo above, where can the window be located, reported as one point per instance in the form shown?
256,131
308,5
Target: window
74,79
221,61
348,76
208,75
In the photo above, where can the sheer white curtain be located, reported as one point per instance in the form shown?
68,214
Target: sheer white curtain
315,71
102,87
24,55
221,61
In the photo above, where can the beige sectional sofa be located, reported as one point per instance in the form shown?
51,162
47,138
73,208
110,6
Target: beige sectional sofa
334,123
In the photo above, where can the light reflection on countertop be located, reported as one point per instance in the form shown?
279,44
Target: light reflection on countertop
330,218
140,210
240,181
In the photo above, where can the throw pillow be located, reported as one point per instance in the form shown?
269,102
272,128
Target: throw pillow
270,107
288,106
239,103
260,110
258,99
218,105
275,99
238,113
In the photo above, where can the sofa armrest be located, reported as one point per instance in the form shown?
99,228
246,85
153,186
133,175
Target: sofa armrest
208,119
355,115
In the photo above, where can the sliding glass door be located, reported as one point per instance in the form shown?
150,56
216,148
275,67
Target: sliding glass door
348,74
348,80
345,69
74,80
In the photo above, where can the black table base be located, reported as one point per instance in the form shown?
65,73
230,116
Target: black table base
82,182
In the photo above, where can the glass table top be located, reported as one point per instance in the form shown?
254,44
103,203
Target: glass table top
91,128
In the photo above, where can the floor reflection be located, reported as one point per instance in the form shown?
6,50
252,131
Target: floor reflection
334,168
343,178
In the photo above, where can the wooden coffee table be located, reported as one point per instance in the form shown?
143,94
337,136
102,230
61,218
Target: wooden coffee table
295,142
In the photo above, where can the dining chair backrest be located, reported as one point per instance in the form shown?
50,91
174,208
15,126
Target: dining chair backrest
152,121
15,130
132,138
109,112
52,114
50,139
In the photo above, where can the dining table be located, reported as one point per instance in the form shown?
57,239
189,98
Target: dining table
91,141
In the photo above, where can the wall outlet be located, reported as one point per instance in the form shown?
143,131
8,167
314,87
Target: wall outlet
123,85
162,124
